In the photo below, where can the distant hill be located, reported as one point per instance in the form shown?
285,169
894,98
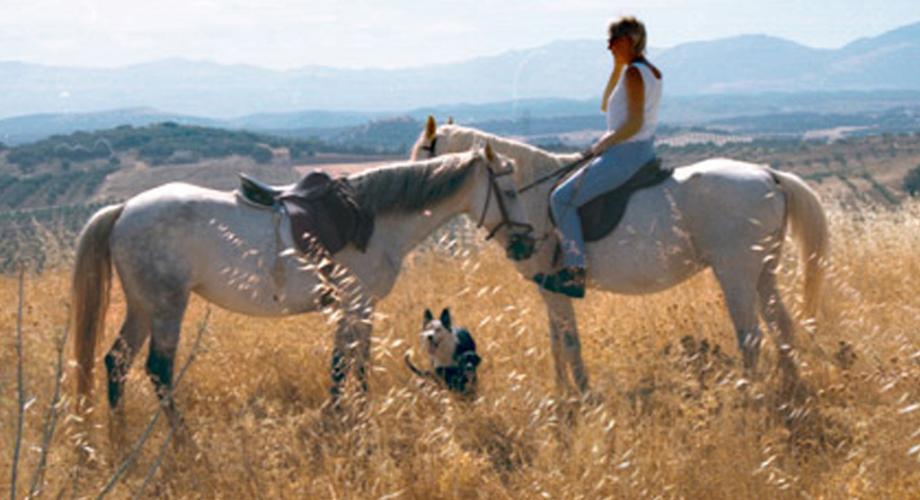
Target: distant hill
112,164
302,120
572,69
52,186
166,143
799,124
322,124
757,63
749,63
523,117
30,128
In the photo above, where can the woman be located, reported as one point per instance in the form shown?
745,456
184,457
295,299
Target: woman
631,103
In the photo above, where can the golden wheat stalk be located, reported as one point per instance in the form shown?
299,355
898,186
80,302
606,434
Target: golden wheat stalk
136,449
156,463
51,418
20,389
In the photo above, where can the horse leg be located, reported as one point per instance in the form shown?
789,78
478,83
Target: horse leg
739,288
363,330
571,346
164,341
351,349
564,330
339,366
556,329
131,338
777,318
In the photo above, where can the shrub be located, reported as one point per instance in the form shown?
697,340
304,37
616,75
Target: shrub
912,181
261,154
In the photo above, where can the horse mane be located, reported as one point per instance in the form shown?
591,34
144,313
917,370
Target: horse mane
411,185
531,161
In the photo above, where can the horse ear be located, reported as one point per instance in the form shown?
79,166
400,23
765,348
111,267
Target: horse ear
445,318
428,316
490,153
450,120
431,127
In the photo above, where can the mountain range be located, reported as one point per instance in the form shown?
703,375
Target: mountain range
571,69
520,117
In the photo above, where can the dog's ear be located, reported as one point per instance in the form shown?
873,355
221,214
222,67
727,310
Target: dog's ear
445,318
428,316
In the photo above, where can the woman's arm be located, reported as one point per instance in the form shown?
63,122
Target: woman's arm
611,84
635,111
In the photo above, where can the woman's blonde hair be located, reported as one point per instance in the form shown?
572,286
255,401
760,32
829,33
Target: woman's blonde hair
630,27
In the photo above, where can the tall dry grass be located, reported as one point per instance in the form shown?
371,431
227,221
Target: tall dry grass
672,416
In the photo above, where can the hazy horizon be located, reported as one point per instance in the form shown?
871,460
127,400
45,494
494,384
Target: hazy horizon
286,34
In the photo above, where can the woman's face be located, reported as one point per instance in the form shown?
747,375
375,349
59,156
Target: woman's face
621,48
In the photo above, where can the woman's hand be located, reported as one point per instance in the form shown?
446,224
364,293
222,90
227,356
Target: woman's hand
599,146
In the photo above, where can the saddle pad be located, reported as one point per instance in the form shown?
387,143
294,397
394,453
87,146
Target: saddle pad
325,210
601,215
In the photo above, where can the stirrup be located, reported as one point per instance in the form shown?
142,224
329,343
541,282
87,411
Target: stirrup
568,281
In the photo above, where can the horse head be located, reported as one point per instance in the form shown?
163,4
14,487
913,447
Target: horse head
501,208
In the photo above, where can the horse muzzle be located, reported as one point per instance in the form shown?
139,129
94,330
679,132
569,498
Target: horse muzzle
520,246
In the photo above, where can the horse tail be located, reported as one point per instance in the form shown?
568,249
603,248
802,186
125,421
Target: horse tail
92,278
808,221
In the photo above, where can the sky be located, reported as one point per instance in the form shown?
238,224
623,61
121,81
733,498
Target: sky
284,34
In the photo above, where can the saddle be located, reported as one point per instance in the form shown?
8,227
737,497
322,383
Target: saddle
321,209
601,215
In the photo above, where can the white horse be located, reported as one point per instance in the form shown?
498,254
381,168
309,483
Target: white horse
178,239
728,215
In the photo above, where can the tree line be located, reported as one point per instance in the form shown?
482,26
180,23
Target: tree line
163,144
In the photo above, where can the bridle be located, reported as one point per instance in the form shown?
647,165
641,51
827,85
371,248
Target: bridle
502,208
519,243
430,147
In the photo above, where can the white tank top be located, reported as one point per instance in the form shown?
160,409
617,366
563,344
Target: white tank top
617,106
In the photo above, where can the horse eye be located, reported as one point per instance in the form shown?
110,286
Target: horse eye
510,193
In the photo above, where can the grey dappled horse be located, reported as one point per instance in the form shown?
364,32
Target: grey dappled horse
727,215
179,239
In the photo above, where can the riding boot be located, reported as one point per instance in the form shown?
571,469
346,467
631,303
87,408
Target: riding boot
568,281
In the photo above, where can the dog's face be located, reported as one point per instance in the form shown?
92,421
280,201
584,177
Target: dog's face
438,340
451,352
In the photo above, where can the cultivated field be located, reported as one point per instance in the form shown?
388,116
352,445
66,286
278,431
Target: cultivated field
671,416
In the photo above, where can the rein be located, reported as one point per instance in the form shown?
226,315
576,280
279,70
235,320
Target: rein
500,201
517,240
558,172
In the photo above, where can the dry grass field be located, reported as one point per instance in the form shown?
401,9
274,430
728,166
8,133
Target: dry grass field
671,416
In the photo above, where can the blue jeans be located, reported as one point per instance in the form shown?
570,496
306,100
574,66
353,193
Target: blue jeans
605,173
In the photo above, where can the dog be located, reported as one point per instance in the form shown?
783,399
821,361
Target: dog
451,353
